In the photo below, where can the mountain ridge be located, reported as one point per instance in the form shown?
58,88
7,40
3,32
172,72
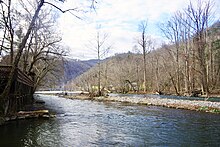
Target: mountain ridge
75,67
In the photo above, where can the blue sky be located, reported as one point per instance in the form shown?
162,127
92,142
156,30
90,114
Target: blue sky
119,19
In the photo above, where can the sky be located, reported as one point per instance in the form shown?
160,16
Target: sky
119,19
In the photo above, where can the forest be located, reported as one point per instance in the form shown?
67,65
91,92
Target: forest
188,64
98,73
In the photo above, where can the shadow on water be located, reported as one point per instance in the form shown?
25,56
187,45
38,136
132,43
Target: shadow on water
89,123
29,133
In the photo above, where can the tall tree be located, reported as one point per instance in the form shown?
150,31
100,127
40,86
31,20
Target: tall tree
173,31
101,47
145,43
7,24
200,16
4,97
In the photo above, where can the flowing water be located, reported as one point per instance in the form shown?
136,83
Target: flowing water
90,123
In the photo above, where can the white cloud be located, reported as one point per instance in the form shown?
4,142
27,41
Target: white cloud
119,18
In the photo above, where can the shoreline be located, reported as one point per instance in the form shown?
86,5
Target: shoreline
195,105
32,111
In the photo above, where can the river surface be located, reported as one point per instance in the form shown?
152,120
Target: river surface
90,123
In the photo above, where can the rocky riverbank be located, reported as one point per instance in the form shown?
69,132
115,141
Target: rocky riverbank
205,106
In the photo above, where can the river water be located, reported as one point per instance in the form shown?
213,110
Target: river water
90,123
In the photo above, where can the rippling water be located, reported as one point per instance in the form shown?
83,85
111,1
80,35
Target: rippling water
90,123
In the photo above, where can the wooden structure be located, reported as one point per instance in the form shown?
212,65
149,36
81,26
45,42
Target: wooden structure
21,92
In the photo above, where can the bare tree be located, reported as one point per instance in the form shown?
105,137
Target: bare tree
172,30
7,24
4,98
145,42
200,16
101,47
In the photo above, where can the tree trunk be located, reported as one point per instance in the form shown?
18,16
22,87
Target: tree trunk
4,97
145,70
99,66
202,64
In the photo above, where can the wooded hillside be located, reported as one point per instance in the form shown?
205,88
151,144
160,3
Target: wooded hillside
170,69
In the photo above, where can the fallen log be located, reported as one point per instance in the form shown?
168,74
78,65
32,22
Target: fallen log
34,114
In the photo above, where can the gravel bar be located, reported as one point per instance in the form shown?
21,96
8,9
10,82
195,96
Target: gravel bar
205,106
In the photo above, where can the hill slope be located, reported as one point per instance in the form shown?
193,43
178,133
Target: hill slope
74,68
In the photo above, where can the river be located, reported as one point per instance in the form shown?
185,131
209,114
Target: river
91,123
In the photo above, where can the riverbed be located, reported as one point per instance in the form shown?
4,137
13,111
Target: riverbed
91,123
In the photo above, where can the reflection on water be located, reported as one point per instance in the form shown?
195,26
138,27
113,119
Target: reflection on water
88,123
